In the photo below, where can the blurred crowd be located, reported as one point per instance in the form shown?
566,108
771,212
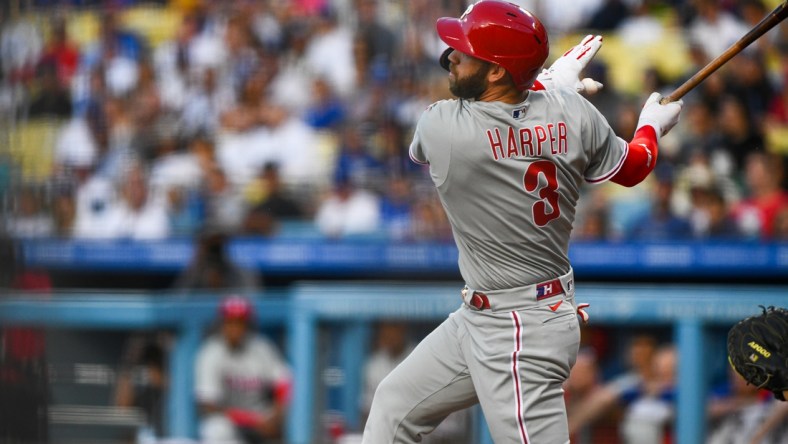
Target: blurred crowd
148,120
625,392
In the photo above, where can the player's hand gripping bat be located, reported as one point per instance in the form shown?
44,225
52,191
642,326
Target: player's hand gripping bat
776,16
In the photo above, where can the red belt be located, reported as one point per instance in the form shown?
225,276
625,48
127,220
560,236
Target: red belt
480,301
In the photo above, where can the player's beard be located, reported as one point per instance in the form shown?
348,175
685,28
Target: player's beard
469,87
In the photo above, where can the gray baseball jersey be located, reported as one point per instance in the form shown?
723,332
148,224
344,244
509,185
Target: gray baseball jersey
509,177
244,378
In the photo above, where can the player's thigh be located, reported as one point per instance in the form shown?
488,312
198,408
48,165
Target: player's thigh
431,382
520,361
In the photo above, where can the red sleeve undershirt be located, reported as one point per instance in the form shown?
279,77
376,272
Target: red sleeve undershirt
641,158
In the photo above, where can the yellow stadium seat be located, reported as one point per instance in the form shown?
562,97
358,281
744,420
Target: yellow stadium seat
83,27
31,146
155,24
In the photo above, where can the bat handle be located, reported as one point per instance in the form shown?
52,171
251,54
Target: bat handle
667,99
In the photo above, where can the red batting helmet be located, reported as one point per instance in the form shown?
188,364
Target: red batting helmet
499,32
236,307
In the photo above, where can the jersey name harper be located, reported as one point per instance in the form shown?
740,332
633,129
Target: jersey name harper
528,142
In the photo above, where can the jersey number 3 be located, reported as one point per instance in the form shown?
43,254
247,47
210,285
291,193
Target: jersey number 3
548,193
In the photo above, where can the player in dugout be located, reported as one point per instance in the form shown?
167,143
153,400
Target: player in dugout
241,381
508,158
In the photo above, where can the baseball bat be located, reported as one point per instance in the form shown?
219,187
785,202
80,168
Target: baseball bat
776,16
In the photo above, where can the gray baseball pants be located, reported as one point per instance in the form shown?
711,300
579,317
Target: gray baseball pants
512,358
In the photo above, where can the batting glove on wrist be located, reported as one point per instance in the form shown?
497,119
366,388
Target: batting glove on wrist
660,117
565,71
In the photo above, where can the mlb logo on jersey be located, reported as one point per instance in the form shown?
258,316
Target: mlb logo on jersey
519,113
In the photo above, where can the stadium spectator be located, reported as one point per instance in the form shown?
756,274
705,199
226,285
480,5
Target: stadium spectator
583,380
774,424
185,210
619,391
382,41
211,268
765,198
51,99
348,210
736,410
63,212
95,198
326,111
712,218
608,16
702,131
329,52
172,165
242,383
714,28
30,220
749,82
224,205
80,141
21,44
739,134
662,223
142,383
649,417
294,146
621,113
205,100
61,52
396,209
272,204
354,160
123,141
114,40
137,214
292,84
593,218
641,29
172,62
781,225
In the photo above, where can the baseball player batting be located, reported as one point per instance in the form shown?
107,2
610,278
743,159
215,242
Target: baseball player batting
508,163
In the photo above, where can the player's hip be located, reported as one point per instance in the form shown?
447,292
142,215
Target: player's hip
549,293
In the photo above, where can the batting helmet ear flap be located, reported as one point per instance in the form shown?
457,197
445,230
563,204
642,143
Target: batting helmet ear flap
444,60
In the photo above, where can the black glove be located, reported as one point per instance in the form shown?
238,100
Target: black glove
758,350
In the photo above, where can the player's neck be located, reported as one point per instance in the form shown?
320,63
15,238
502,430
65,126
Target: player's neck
500,93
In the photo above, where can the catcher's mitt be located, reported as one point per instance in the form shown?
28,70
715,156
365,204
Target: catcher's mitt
758,350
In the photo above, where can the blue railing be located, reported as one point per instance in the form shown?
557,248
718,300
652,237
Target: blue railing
353,306
319,256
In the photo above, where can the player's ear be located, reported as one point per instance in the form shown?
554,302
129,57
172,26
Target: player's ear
496,73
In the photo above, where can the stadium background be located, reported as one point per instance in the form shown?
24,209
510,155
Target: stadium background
144,145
